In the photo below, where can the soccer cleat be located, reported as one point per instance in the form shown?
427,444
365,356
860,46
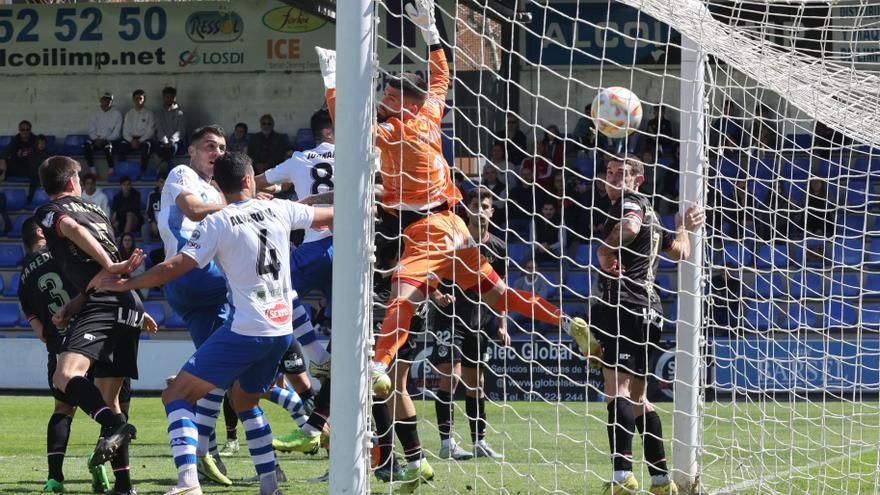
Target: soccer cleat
100,482
390,471
230,448
53,486
667,488
319,370
320,479
107,447
381,382
580,332
413,477
628,486
207,466
131,491
482,449
280,476
184,490
298,441
453,451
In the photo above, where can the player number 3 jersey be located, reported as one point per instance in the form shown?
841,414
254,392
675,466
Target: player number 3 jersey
250,241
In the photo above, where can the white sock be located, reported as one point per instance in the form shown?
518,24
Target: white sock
447,443
619,476
660,479
206,412
414,464
268,482
310,430
187,475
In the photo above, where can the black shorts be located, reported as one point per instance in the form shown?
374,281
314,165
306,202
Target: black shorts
461,345
409,351
124,392
629,336
107,330
293,361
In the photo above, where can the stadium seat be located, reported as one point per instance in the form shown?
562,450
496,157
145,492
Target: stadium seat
828,169
4,141
10,255
73,144
799,316
145,195
730,169
16,198
285,138
583,254
577,284
448,146
664,286
872,256
841,313
11,289
871,317
761,169
129,168
110,192
149,175
9,315
173,320
758,315
305,139
763,285
872,285
736,254
157,311
574,309
519,252
847,252
861,165
586,166
845,285
17,223
40,198
2,282
814,286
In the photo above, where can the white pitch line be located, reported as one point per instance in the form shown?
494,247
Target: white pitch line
749,484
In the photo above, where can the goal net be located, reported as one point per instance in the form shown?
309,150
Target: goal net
765,113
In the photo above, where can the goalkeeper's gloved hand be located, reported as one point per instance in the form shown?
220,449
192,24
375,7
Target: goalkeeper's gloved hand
327,61
422,15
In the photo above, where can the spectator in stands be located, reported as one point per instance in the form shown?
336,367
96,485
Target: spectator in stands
513,139
507,169
524,197
170,127
554,146
126,247
725,134
238,141
19,149
4,214
153,204
542,168
267,147
138,129
725,296
40,153
492,181
583,129
658,133
125,210
547,233
93,194
820,211
105,129
765,130
532,282
786,217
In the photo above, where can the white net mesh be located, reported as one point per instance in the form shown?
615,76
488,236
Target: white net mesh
791,291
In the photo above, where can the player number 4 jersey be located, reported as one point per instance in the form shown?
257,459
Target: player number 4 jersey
311,172
250,241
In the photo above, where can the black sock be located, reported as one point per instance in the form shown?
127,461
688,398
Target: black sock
621,425
481,424
230,418
308,394
652,439
88,398
408,434
120,465
57,435
382,418
319,415
473,407
445,413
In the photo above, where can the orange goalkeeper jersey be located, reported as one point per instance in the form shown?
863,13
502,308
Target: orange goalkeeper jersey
414,173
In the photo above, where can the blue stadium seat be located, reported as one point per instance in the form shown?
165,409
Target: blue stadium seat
305,139
664,286
16,198
841,313
799,316
828,169
845,284
129,168
872,285
736,254
814,286
519,252
861,165
11,289
51,143
583,254
157,311
173,320
763,285
145,195
847,252
10,255
150,174
285,138
23,320
110,192
759,315
574,309
2,282
40,198
803,141
73,144
761,169
872,255
577,285
4,142
17,222
730,169
586,166
9,315
797,169
871,317
448,146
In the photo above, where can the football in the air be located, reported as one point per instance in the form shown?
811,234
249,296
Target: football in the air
616,112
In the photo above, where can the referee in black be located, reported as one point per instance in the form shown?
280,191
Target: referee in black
627,320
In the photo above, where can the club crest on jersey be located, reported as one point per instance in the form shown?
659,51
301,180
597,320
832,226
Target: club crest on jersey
279,313
47,220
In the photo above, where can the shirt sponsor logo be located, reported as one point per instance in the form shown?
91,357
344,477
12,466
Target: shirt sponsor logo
214,27
47,220
279,313
291,20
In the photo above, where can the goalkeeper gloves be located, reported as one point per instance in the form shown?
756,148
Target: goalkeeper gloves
327,61
422,15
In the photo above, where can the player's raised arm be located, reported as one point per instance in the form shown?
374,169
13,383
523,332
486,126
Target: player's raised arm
170,269
421,13
680,247
80,236
194,208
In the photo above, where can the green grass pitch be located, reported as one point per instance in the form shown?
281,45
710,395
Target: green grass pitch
819,447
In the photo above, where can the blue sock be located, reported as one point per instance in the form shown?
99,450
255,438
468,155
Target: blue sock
207,411
259,440
288,399
183,435
305,334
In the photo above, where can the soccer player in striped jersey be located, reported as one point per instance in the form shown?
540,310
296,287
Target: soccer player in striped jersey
247,348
